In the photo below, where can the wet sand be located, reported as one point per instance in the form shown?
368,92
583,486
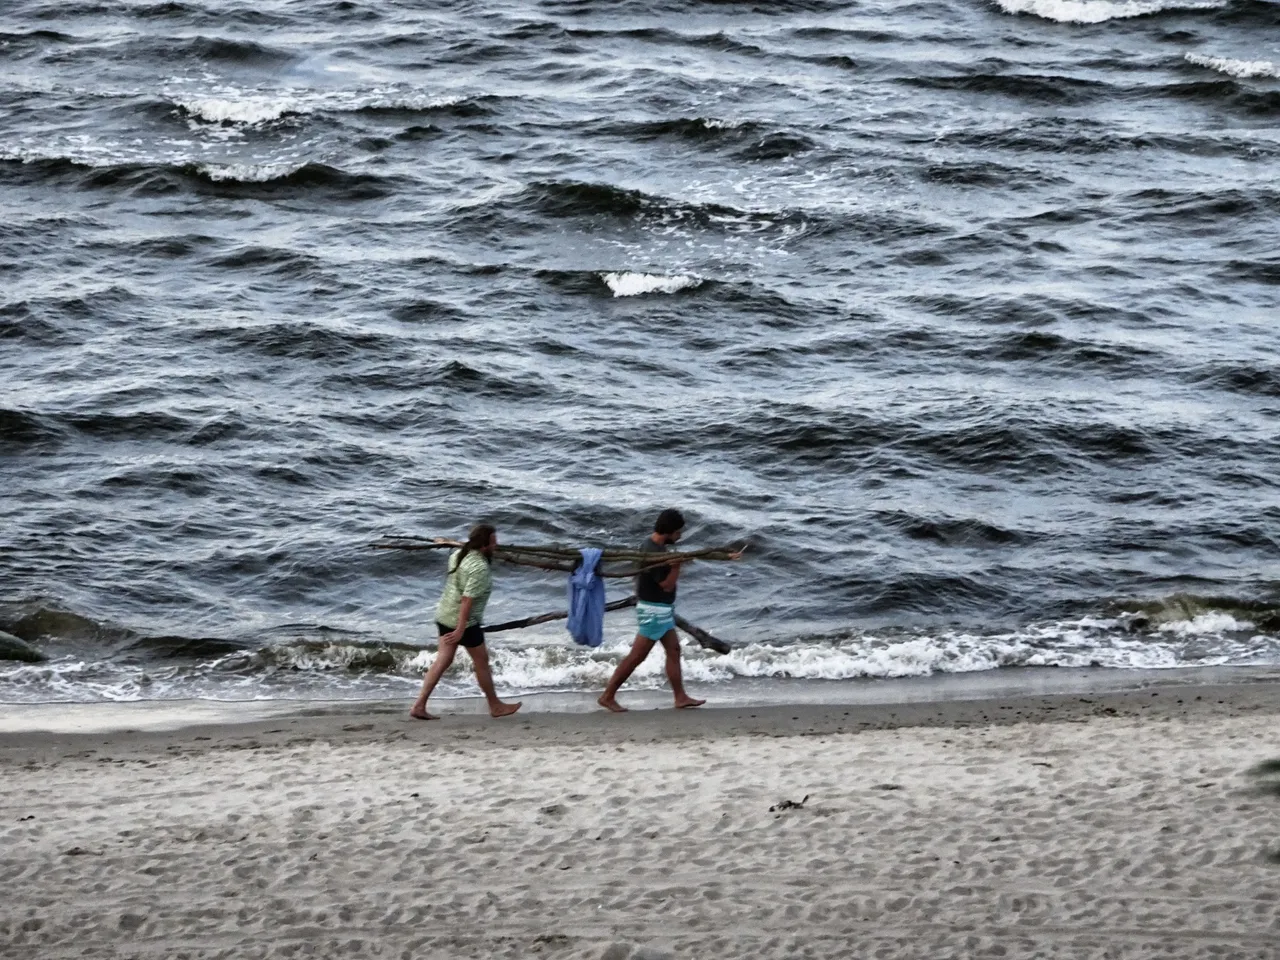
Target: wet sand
1118,824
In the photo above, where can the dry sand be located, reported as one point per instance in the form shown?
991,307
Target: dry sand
1116,826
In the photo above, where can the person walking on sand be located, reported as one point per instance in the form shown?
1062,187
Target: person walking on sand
458,617
656,617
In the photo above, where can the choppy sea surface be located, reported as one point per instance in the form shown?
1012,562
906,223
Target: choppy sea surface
962,312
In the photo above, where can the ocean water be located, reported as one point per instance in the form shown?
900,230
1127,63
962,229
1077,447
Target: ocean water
961,313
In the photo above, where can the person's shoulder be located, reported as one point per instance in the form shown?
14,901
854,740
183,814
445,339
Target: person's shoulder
475,561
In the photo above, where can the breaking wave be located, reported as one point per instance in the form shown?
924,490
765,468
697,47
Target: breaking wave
101,170
250,110
1100,11
1168,634
1240,69
267,172
254,108
635,284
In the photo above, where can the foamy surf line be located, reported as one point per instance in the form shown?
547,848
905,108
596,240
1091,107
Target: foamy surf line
307,666
1100,11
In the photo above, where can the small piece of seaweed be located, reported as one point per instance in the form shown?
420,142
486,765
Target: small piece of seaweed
789,804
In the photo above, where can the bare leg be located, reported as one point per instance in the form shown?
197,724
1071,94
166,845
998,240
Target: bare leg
444,657
675,676
627,666
484,677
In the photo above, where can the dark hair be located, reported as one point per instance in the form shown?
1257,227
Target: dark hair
477,539
669,521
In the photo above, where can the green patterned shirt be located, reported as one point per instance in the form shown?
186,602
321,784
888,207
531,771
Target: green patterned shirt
470,579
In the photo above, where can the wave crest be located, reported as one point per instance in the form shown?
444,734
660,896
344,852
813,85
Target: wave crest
1100,11
252,108
635,284
1240,69
92,661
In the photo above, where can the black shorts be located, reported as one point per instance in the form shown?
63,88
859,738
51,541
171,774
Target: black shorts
473,636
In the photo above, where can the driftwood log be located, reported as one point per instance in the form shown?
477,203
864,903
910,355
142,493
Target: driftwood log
548,617
704,638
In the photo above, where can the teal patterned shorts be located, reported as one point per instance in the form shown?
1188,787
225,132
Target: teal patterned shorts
655,619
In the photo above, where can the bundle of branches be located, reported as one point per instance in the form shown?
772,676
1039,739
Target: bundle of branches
567,559
614,561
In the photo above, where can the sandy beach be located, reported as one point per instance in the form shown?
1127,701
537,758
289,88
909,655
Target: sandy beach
1113,825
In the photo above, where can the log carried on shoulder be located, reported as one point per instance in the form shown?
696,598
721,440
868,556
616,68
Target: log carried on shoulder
566,559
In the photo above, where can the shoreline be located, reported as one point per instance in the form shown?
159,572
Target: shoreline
1068,696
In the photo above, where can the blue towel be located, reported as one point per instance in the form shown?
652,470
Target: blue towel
586,600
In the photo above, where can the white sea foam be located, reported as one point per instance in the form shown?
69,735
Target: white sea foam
1207,624
229,105
1206,640
1241,69
549,662
635,284
70,679
249,110
80,151
249,172
1087,643
107,155
1100,11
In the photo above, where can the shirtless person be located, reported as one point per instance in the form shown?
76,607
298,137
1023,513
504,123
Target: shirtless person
655,613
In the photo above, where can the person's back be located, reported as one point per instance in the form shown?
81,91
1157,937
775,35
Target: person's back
468,576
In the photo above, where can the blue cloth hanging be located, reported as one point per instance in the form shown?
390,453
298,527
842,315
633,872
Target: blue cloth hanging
586,600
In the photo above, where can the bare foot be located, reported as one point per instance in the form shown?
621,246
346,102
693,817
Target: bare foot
504,709
422,715
610,704
684,703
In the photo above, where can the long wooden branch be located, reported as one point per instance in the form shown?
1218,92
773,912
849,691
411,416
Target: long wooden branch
704,638
573,555
557,615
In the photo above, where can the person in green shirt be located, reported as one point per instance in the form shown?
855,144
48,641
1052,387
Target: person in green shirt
459,615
